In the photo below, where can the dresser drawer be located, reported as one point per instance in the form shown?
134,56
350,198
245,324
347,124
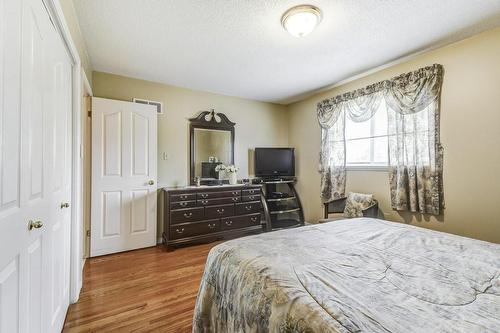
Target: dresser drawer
187,215
182,197
248,207
254,197
219,194
194,229
182,204
219,211
252,191
217,201
237,222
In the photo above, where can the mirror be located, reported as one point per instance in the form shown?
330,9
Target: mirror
212,143
211,147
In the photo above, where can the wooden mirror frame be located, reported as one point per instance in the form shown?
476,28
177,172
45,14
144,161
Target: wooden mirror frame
200,122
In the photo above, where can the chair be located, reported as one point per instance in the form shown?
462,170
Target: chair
338,206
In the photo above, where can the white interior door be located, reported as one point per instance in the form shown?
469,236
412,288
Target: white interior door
124,142
35,170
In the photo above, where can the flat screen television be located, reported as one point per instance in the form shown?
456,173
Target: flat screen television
274,162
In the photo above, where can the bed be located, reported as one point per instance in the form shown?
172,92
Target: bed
357,275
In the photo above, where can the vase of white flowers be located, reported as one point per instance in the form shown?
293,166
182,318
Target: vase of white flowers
230,171
233,180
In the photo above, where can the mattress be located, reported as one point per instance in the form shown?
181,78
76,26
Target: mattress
357,275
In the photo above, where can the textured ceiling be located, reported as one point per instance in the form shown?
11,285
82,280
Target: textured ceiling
238,47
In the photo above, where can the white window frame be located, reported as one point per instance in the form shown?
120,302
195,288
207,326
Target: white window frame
368,166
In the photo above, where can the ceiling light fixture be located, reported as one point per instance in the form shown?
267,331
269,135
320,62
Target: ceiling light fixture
301,20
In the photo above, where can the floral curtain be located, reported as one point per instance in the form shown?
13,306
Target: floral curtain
415,152
359,105
332,155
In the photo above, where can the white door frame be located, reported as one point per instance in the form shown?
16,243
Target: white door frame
86,92
59,20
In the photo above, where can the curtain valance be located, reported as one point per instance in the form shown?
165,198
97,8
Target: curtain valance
406,93
414,91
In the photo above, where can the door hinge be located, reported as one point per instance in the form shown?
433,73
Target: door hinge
88,233
89,105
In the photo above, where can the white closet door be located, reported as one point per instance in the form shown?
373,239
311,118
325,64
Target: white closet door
57,259
124,142
35,122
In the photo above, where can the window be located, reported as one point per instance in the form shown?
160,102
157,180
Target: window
367,142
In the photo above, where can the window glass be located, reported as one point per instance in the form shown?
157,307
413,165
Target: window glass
367,142
358,151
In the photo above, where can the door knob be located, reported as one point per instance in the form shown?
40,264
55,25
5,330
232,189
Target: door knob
64,205
151,182
34,224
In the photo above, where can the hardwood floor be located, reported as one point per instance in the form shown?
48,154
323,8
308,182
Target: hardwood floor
139,291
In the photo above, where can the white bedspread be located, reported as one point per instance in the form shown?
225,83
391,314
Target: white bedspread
358,275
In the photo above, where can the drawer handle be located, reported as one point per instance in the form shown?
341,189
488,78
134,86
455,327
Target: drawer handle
204,202
204,195
248,207
251,191
183,204
234,193
179,231
211,225
235,199
251,197
184,196
253,219
228,223
220,211
188,215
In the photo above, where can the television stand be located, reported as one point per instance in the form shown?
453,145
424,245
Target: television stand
278,181
283,202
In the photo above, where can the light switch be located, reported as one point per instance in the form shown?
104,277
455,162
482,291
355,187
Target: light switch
164,155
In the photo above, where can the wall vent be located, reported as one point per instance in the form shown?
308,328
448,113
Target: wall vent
158,105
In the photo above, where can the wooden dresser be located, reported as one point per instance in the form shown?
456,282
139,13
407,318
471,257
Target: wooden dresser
206,213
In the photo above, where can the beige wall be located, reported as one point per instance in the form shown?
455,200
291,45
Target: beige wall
258,124
74,29
470,133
